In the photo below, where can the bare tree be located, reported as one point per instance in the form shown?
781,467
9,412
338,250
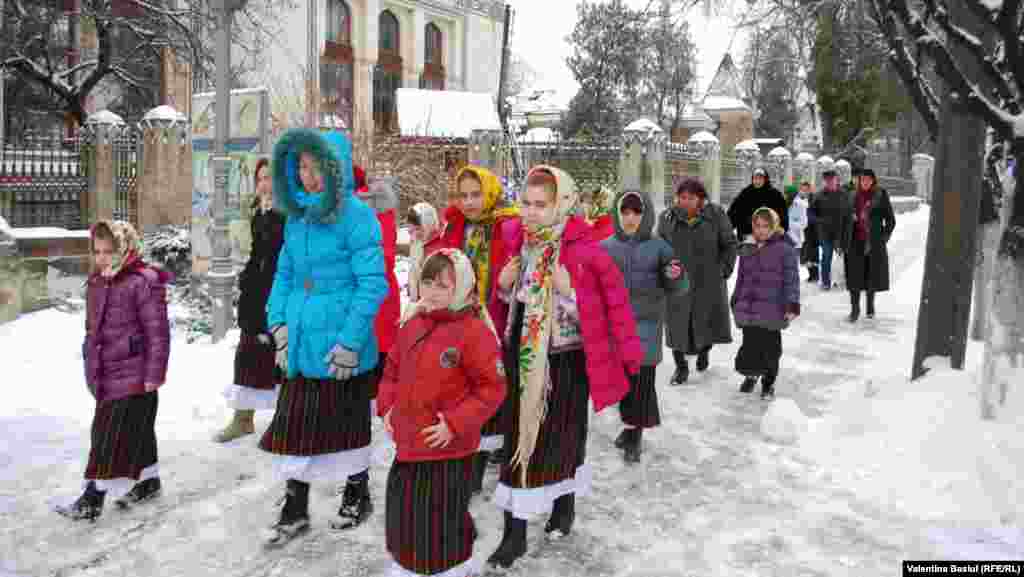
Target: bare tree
42,40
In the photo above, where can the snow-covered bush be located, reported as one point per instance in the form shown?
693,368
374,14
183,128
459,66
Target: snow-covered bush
171,248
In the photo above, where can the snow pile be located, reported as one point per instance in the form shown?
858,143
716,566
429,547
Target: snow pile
784,422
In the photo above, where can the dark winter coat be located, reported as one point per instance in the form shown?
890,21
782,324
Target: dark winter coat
742,209
768,285
442,362
642,258
707,251
128,336
832,213
257,277
867,263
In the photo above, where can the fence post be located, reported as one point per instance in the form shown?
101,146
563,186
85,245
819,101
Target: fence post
708,147
642,160
103,181
823,163
780,166
485,151
164,189
923,168
844,170
749,156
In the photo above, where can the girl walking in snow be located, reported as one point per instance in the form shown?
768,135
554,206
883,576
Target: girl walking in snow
329,286
384,202
256,375
571,336
651,272
442,380
702,237
425,229
765,300
480,224
127,344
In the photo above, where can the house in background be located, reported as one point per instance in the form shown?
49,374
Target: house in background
349,57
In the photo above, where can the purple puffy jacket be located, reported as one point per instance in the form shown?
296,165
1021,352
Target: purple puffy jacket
128,337
768,285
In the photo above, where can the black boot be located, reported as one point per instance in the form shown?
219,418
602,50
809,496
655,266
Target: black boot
497,457
748,385
513,543
622,439
702,359
633,447
871,304
812,274
294,518
854,306
356,505
142,491
563,514
682,373
768,387
479,468
87,507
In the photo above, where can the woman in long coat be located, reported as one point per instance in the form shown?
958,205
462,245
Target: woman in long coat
256,377
867,259
702,237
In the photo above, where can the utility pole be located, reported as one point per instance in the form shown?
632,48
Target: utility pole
222,271
502,108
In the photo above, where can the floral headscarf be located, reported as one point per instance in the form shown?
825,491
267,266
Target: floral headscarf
478,244
540,258
127,244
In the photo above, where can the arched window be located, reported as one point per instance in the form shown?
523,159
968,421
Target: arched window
433,59
387,76
336,66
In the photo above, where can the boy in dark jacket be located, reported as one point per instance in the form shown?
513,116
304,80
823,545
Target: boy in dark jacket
766,299
127,344
442,380
652,273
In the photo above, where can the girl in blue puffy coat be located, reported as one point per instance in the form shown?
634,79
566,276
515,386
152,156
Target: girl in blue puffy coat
329,284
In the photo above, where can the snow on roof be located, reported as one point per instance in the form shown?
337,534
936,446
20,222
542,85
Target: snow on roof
703,136
805,157
105,117
164,112
842,162
748,145
643,125
445,113
721,103
779,151
46,232
539,134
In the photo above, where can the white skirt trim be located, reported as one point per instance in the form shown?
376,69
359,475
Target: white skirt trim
530,503
245,399
120,486
329,467
474,566
491,443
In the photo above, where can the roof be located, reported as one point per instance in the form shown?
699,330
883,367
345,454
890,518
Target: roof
727,82
445,113
723,103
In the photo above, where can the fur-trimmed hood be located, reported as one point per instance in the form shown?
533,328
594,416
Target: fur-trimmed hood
334,152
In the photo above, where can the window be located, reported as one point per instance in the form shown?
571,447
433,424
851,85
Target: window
339,22
337,79
433,59
387,75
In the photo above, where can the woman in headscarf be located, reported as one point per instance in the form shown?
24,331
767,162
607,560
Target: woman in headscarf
329,286
867,258
256,376
571,336
480,224
425,230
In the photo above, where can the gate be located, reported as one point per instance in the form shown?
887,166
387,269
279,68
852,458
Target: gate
43,182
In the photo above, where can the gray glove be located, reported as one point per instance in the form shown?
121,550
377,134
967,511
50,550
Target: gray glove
280,334
341,363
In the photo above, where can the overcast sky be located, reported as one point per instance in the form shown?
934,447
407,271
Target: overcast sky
541,26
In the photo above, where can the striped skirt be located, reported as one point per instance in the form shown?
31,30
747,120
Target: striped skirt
123,442
428,526
255,365
320,417
639,408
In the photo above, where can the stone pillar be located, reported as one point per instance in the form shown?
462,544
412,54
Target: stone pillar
642,161
749,156
780,167
105,126
165,177
823,163
485,151
707,146
923,168
806,169
844,170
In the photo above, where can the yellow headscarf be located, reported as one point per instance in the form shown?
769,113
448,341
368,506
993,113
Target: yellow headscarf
477,245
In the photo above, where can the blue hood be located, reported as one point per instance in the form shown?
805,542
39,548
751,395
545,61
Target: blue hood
334,151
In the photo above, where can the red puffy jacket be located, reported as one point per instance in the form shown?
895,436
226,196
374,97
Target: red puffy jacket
442,362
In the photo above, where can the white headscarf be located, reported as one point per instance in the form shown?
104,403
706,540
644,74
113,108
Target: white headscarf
430,224
465,289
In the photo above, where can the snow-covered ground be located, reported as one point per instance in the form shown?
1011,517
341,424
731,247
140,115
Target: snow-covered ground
853,469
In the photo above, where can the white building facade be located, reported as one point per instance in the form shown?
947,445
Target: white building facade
342,60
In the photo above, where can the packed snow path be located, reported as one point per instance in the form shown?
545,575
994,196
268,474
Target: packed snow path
711,497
